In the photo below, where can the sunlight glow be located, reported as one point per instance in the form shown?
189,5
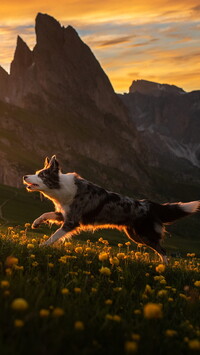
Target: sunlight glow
152,40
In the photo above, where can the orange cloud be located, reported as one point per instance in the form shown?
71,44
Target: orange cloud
23,10
152,39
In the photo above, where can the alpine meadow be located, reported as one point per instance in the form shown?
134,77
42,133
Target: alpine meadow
121,272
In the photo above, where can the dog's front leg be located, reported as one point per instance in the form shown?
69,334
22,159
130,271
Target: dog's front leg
49,216
66,228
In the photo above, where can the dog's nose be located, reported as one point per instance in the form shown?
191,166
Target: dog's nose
25,177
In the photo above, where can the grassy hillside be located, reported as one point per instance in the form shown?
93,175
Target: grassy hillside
92,298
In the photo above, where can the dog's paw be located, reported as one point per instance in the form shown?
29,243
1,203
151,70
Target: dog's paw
36,223
44,244
41,245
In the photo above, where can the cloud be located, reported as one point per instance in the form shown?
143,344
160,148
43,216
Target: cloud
115,41
155,40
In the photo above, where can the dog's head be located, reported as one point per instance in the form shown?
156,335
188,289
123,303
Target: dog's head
46,179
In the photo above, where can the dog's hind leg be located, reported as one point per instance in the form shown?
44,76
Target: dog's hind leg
133,236
56,217
154,245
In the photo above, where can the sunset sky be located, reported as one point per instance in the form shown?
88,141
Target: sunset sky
145,39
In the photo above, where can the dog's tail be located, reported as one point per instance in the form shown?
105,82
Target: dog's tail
170,212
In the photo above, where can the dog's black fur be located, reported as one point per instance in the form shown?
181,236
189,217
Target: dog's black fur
81,204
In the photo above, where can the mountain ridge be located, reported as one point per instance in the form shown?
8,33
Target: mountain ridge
57,99
64,103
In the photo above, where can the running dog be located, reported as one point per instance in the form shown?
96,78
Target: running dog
80,205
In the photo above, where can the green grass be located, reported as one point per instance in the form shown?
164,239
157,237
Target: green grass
107,326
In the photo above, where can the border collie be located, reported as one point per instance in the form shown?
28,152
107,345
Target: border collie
80,205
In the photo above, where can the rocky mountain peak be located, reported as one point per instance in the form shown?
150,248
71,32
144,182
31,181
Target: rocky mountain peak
61,68
48,31
23,58
151,88
4,82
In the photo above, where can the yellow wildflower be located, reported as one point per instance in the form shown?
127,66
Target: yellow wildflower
182,295
78,250
114,261
108,302
120,255
63,259
162,293
128,244
78,325
8,272
140,245
19,304
77,290
197,283
30,246
170,332
65,291
160,268
148,289
137,311
44,313
68,244
18,267
163,281
152,310
194,344
117,289
10,261
35,263
117,318
105,271
5,284
130,347
45,236
18,323
93,289
138,254
58,312
50,265
103,256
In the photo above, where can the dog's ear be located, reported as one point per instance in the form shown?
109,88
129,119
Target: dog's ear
46,162
54,164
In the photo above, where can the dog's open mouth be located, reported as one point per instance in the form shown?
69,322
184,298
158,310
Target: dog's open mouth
29,185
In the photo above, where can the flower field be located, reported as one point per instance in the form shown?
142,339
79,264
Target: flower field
93,298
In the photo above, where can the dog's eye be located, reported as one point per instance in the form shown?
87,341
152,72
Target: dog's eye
41,174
